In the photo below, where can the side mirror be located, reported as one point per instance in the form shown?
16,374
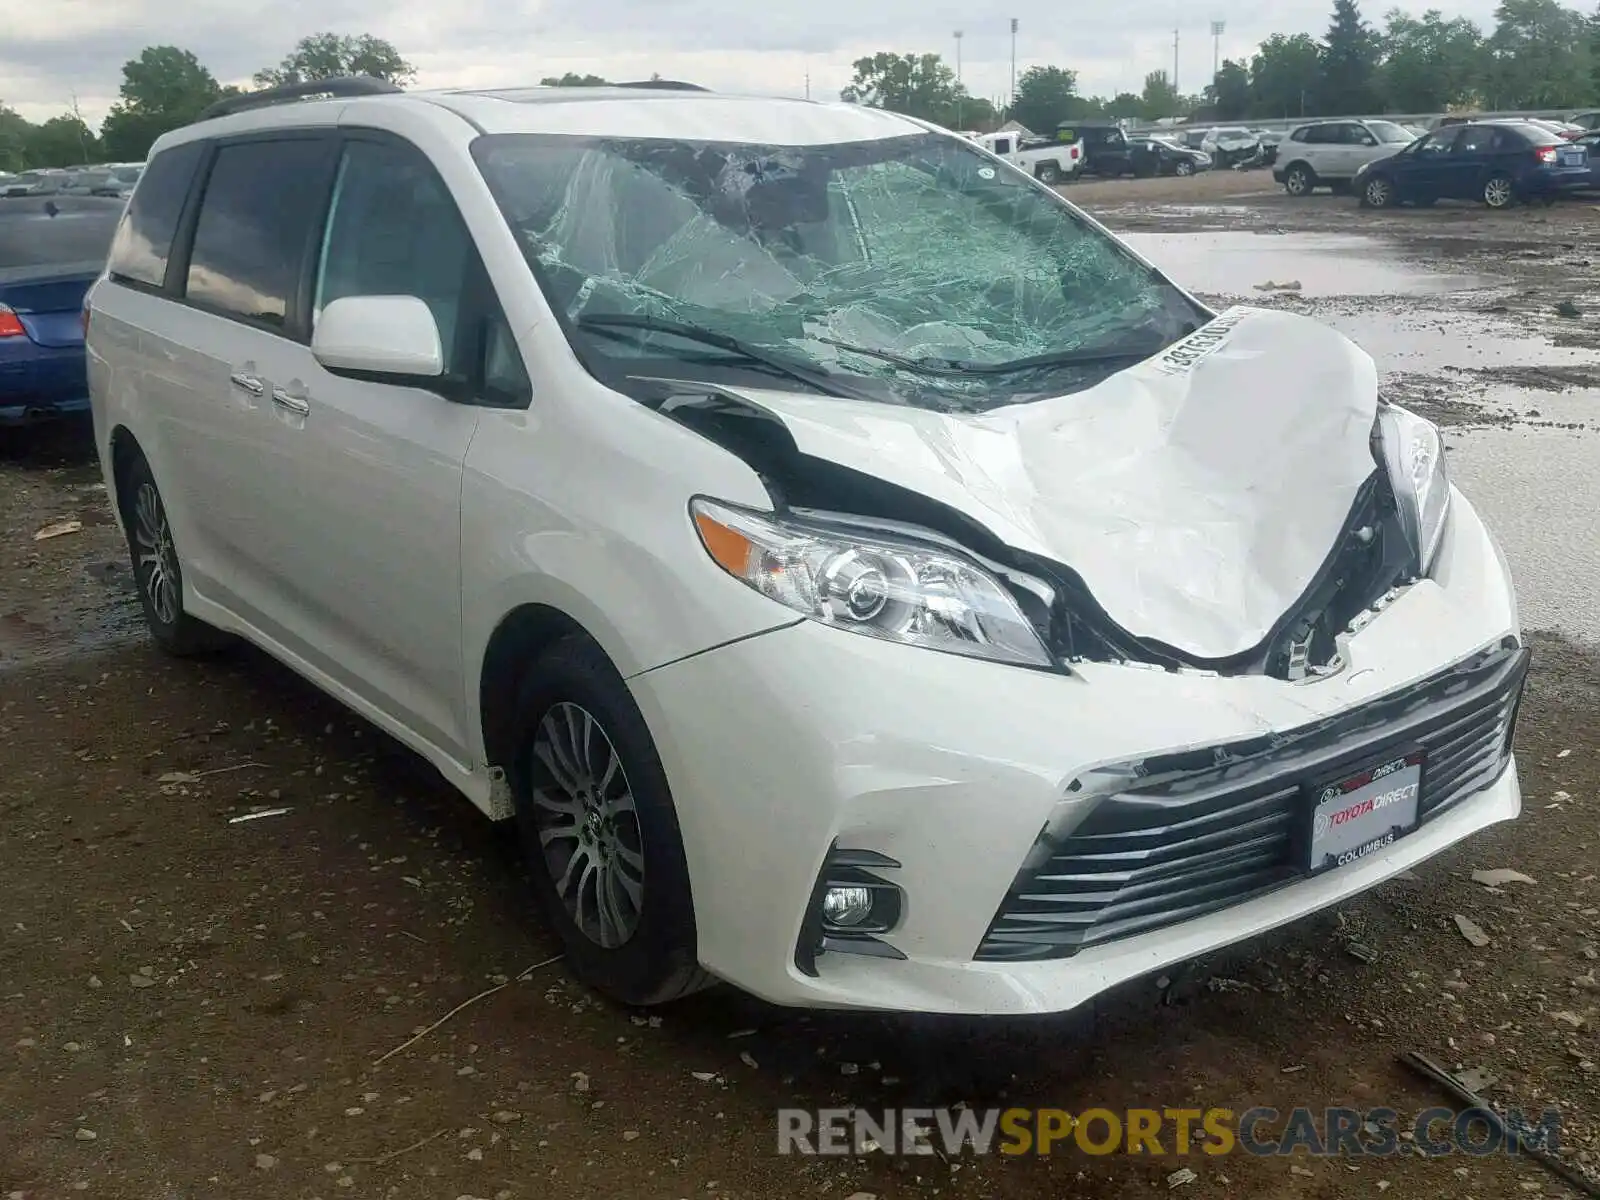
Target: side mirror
383,337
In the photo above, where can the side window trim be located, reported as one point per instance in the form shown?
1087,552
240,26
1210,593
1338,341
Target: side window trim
178,244
296,325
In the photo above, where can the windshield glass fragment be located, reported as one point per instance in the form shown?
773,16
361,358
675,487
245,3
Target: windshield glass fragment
898,262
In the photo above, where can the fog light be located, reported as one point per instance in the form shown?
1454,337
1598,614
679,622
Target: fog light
846,906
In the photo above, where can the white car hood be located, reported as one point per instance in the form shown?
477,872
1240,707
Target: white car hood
1197,494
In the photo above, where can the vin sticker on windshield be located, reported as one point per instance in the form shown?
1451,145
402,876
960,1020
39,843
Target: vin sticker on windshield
1180,358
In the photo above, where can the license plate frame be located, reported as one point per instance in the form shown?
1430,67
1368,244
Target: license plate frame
1357,812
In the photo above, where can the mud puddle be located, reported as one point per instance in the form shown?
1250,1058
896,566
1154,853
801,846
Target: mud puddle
1234,263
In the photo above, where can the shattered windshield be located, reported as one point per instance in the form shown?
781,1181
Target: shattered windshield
916,269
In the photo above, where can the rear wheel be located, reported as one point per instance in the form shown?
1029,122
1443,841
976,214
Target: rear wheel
157,570
599,829
1499,192
1047,173
1299,180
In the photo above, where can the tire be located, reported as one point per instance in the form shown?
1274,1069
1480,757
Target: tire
1184,168
1499,191
1047,173
1299,180
1377,192
576,727
158,569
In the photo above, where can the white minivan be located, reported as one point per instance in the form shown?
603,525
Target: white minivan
859,576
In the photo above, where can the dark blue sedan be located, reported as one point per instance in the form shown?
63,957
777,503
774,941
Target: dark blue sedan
51,249
1496,162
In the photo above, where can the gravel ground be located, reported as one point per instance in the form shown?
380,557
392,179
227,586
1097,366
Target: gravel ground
193,1008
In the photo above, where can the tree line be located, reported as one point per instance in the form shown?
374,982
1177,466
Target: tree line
166,87
1537,54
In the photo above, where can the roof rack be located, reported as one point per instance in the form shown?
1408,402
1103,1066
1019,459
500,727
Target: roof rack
663,85
340,85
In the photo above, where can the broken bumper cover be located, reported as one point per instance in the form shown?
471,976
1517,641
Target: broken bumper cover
951,774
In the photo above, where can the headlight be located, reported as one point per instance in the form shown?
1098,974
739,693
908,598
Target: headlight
897,591
1414,454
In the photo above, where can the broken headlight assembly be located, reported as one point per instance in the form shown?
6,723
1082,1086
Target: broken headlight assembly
1413,453
882,587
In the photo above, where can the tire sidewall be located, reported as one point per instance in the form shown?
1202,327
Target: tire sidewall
650,965
167,633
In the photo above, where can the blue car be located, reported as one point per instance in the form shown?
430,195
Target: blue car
1496,162
51,249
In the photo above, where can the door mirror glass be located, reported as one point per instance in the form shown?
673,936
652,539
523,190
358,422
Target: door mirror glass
379,336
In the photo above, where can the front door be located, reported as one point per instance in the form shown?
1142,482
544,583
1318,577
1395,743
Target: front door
1427,172
371,471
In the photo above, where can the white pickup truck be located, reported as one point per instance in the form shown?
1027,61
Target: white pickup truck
1047,161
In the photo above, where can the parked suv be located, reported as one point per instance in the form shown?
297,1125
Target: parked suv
838,556
1329,153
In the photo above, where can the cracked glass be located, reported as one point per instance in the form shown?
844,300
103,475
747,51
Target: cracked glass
916,268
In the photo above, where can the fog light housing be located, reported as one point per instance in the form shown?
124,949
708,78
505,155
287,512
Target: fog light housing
847,906
850,906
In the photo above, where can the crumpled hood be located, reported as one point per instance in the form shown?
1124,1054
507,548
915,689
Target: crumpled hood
1197,494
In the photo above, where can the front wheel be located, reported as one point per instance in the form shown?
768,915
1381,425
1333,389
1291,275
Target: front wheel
1377,193
1185,168
157,570
1499,192
1298,181
599,830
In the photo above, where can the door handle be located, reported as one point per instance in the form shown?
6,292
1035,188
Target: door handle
248,383
290,402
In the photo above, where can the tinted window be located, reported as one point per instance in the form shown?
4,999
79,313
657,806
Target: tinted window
1477,139
1440,142
1002,145
1521,135
395,231
144,240
256,222
1303,134
56,230
1322,135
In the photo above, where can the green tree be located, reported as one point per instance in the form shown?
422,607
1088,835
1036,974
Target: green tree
1124,104
14,131
1045,97
1229,92
1539,56
1430,63
162,89
326,55
1159,98
918,85
63,141
1281,75
571,80
1347,74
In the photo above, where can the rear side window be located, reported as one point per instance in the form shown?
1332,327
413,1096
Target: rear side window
1477,139
262,205
144,241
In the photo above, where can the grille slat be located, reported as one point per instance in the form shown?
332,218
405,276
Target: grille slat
1197,833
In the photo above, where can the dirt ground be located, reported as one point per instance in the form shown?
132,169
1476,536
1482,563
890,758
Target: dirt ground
196,1008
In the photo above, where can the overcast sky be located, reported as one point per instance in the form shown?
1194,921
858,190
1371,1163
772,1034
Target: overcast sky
67,48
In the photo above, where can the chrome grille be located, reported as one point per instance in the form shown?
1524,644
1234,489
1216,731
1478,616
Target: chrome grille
1199,832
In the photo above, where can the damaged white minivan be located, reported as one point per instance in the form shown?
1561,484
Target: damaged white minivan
859,576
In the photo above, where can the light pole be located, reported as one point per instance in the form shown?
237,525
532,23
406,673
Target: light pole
1174,62
1216,48
958,79
1011,103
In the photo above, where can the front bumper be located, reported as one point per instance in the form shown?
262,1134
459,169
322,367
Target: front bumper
787,745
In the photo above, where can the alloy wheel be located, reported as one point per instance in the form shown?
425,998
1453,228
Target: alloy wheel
157,560
583,809
1378,193
1297,183
1186,168
1497,193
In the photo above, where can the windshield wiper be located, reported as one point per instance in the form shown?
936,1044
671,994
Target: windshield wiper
812,378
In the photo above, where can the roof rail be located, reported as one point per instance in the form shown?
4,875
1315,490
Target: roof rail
340,85
664,85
